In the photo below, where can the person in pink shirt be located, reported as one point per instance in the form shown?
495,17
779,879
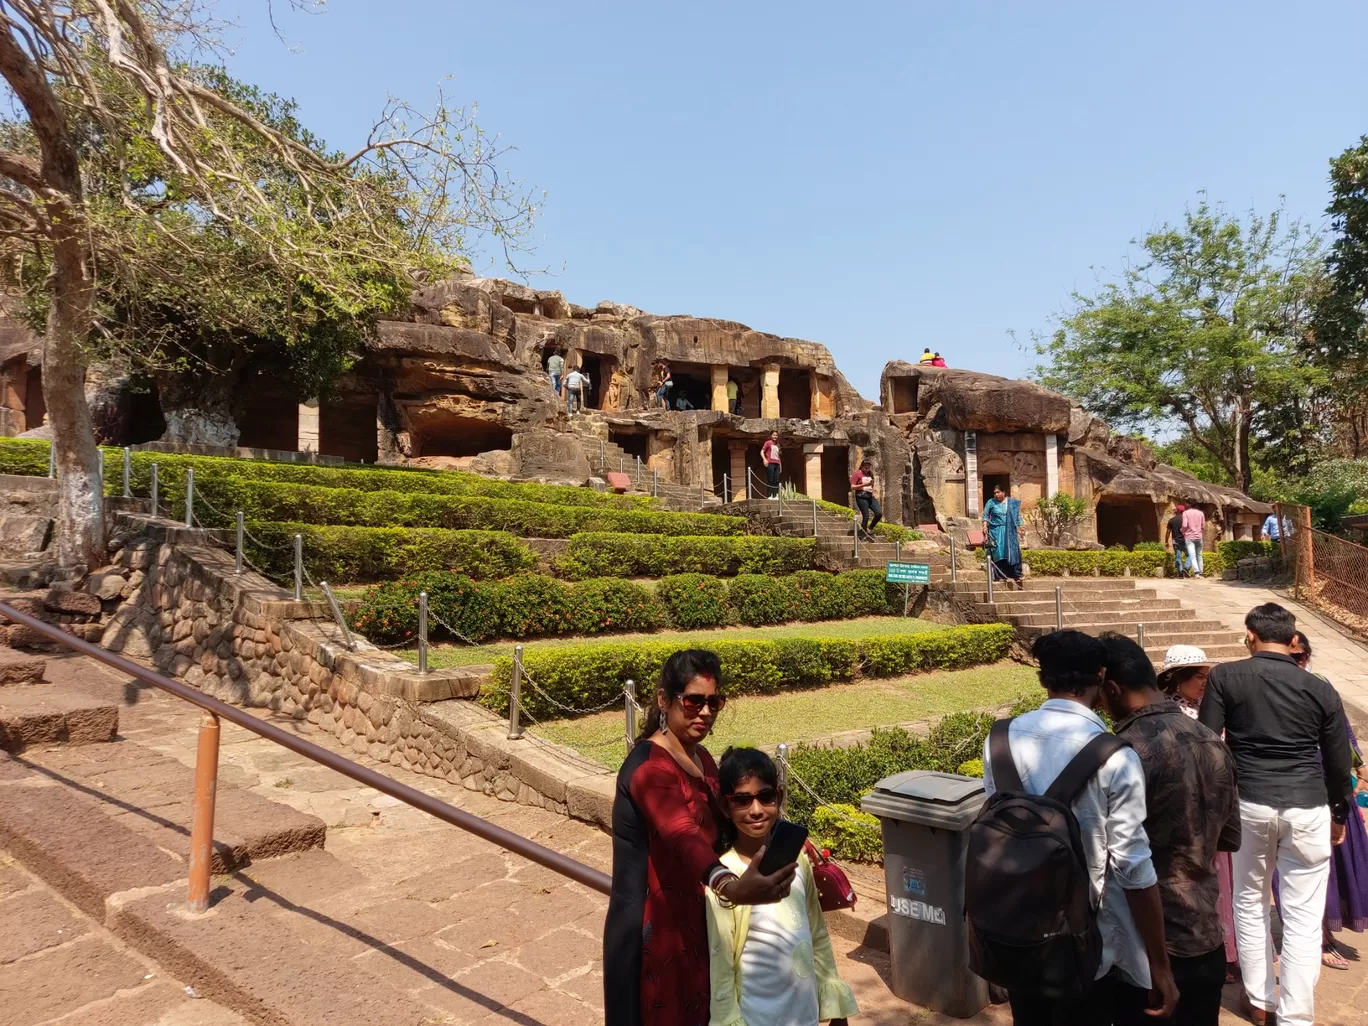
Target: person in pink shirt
769,452
1194,526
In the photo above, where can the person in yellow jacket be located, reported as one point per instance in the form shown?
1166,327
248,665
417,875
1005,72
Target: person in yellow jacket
770,965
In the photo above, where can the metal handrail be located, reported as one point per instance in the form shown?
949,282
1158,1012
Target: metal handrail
531,850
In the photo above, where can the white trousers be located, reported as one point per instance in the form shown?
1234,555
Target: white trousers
1296,843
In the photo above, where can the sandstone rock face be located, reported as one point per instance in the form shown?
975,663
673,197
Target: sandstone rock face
549,456
971,401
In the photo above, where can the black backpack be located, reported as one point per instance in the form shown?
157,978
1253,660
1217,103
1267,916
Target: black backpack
1027,893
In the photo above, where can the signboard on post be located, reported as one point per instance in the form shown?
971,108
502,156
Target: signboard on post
908,573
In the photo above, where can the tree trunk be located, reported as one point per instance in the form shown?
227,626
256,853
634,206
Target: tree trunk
80,493
1244,423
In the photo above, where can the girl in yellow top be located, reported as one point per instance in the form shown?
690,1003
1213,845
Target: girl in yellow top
770,965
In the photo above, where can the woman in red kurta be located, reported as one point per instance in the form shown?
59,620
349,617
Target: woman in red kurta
665,832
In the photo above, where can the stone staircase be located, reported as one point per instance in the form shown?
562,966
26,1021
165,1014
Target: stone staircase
1095,605
607,457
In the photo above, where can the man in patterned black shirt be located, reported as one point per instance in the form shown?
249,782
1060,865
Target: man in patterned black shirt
1191,812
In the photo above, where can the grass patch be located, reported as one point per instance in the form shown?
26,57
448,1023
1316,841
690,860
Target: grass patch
440,656
818,714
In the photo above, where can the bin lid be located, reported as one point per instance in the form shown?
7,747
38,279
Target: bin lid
926,797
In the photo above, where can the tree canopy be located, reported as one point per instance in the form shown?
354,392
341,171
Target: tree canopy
1206,332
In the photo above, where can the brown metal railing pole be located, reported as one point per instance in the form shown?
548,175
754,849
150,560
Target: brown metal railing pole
202,825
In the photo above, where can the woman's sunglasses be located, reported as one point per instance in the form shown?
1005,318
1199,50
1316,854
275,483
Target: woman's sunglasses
693,704
742,801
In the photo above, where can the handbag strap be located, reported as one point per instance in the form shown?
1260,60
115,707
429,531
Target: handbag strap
1005,775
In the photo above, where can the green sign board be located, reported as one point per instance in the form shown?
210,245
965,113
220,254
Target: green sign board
908,573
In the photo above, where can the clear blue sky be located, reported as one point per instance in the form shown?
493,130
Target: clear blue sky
876,177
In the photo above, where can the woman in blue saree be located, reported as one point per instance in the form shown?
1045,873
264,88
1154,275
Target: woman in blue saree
1002,532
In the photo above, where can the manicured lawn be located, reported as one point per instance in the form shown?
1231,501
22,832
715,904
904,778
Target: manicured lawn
868,626
820,713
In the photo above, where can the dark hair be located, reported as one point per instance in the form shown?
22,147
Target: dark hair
1174,677
1127,664
1305,654
739,763
1070,661
1272,623
679,669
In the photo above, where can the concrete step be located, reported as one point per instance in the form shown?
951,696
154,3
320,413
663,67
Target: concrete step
19,668
1073,586
46,714
1076,606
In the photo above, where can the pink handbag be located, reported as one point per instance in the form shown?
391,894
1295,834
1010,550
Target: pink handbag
833,886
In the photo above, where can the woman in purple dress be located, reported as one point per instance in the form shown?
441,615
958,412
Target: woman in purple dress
1346,897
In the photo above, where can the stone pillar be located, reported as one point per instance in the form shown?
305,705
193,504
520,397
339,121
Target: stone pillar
812,468
769,392
1051,466
719,388
308,426
972,507
737,482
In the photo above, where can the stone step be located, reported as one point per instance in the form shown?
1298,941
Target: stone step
1071,585
18,668
1125,625
1022,605
46,714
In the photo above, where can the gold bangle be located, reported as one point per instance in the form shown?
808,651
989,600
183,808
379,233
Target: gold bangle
722,899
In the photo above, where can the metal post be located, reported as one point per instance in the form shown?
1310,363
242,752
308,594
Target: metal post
781,764
638,463
202,821
100,453
241,530
655,484
780,496
1140,634
603,456
127,471
897,550
725,493
190,497
954,563
631,711
515,695
814,518
156,487
422,632
52,459
337,615
299,568
1059,607
988,564
856,535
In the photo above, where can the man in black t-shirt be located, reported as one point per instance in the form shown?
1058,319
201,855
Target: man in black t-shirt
1174,532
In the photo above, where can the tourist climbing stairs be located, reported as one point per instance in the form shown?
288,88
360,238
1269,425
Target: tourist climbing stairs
1096,605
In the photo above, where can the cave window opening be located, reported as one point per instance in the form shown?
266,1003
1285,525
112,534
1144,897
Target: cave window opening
795,394
905,395
454,435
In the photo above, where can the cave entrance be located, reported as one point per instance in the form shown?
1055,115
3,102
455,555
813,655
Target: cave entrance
269,417
599,369
905,395
347,428
633,443
35,406
1126,521
836,475
991,481
145,421
440,433
692,383
721,466
795,394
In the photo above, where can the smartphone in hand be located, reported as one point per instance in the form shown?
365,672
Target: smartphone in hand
784,846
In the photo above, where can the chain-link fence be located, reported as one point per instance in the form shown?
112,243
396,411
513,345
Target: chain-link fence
1327,571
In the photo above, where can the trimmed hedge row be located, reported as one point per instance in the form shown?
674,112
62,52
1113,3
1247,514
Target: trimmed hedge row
1231,552
847,832
354,555
1108,563
29,457
604,554
520,606
219,497
583,676
529,604
972,645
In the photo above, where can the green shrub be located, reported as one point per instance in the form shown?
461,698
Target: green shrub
847,833
525,605
760,600
220,496
603,554
1231,552
694,600
26,456
970,768
957,737
353,555
1110,563
843,775
1148,547
812,595
954,648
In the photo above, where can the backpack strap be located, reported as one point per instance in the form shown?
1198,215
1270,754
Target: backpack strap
1005,775
1081,768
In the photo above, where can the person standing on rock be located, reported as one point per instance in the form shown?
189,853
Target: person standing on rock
862,484
666,828
1287,731
734,397
769,452
664,388
1002,533
555,366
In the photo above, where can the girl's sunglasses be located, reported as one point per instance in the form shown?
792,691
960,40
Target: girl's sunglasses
742,801
693,704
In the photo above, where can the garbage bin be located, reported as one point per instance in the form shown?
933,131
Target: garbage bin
924,816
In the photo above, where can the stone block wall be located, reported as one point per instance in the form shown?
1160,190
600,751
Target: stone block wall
244,641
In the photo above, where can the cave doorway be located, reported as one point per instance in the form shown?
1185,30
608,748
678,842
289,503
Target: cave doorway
35,405
269,412
836,475
905,394
1124,521
347,427
992,481
441,433
144,421
599,369
721,467
636,444
795,394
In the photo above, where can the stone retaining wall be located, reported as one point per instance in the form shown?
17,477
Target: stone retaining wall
245,641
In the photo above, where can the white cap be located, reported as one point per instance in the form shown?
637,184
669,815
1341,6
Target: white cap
1185,655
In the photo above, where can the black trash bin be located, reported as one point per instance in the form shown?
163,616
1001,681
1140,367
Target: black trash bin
924,816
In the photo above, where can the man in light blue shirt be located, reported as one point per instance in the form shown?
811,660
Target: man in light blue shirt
1273,530
1134,974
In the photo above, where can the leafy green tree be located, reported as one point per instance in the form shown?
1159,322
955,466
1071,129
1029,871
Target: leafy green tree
167,213
1205,332
1342,315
